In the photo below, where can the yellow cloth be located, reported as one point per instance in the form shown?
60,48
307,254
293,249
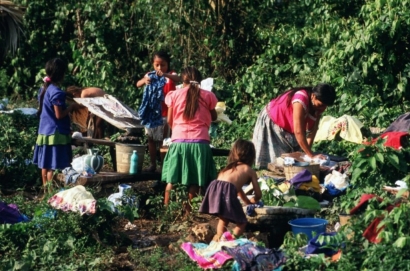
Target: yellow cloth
348,126
313,185
76,199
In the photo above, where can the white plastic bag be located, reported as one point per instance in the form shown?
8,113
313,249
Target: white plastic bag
78,164
339,180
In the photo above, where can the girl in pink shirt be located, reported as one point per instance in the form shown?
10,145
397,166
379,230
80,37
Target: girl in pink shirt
289,123
189,159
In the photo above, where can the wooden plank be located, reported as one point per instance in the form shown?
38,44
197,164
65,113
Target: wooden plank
81,141
112,177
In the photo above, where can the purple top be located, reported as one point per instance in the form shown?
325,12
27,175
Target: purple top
49,124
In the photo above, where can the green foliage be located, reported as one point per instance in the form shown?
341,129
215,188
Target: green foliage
57,240
18,134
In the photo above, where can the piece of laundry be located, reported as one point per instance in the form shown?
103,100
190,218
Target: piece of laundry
10,214
313,185
303,176
364,199
316,247
70,175
251,257
250,209
372,231
150,109
211,256
76,199
395,140
337,181
401,124
348,127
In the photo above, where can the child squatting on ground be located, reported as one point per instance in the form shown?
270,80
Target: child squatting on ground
153,110
221,197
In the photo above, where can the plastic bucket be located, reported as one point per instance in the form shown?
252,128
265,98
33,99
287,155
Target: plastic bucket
123,154
308,226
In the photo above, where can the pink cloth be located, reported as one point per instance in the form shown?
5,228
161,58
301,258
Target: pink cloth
198,127
215,261
282,114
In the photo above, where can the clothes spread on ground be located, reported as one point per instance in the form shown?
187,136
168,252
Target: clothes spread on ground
401,124
255,258
221,199
10,214
316,247
150,110
76,199
348,127
246,254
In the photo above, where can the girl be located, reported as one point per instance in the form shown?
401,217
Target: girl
156,133
221,197
189,159
53,145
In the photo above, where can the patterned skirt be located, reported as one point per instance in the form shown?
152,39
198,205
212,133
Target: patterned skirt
271,141
189,164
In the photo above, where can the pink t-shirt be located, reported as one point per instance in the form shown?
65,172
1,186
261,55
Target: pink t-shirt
282,115
198,127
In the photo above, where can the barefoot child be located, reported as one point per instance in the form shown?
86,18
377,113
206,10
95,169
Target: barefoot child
221,197
153,110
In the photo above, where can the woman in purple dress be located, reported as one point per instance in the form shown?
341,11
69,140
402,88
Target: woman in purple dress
53,145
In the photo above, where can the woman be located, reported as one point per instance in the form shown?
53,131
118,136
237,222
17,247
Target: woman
289,123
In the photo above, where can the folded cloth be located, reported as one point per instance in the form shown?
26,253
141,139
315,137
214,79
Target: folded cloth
250,209
302,177
70,175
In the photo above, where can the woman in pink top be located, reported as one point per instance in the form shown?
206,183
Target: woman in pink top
289,123
189,159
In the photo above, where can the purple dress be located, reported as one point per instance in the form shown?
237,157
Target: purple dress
221,199
53,145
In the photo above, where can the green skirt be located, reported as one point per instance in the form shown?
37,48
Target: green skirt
189,164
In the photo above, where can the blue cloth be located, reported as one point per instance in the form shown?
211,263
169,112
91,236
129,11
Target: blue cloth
48,121
250,209
150,109
316,247
10,214
332,190
70,175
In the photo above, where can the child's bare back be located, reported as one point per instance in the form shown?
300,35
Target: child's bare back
242,174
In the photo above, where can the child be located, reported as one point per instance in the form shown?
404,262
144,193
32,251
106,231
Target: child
153,110
53,145
189,159
97,122
221,197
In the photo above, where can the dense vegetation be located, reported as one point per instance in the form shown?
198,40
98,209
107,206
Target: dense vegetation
255,49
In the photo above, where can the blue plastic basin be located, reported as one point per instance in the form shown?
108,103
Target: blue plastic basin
308,226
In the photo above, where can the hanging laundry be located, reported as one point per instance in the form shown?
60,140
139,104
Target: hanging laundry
348,127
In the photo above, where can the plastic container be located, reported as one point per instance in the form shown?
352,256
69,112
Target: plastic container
123,154
134,163
308,226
